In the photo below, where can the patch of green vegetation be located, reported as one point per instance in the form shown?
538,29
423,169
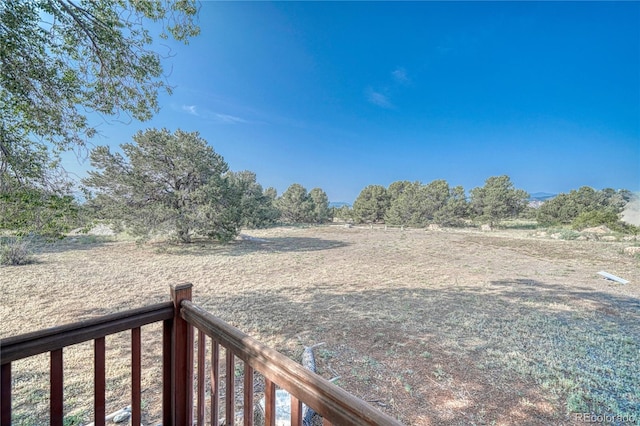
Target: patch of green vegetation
439,373
591,361
592,218
73,420
27,419
21,419
238,370
563,233
325,353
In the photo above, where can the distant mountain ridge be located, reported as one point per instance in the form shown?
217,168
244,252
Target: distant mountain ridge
541,196
536,196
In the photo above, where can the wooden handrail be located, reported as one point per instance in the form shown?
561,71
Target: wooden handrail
50,339
330,401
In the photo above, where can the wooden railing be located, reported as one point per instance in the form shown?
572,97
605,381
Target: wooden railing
179,317
54,340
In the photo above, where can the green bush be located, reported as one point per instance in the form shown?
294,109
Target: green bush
15,252
589,219
568,234
28,210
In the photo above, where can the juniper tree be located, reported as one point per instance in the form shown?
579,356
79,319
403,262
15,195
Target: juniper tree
295,205
257,209
418,205
321,211
396,189
166,182
497,200
455,210
371,205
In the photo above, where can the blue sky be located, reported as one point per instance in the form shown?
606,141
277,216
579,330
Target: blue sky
342,95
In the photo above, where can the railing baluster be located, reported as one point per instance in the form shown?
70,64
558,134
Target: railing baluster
201,348
99,381
167,412
248,395
136,377
229,400
269,402
5,395
56,406
296,411
215,386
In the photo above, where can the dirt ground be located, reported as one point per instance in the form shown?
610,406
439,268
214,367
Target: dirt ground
455,327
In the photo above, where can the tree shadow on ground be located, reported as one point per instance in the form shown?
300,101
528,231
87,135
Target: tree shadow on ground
71,243
255,245
461,354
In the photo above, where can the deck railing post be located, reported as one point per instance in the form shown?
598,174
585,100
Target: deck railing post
5,394
182,365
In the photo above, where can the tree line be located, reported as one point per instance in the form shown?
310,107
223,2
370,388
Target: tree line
418,205
175,184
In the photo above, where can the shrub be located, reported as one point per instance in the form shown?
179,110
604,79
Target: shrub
568,234
594,218
27,211
15,252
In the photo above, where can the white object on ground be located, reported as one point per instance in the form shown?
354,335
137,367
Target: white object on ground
121,415
613,277
283,407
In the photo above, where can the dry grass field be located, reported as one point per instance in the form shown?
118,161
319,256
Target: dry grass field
455,327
